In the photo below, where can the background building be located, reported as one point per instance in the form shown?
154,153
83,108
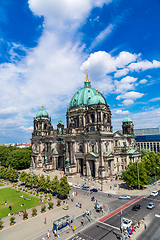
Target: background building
148,138
88,145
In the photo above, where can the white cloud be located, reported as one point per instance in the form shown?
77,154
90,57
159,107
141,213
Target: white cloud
119,111
154,99
64,13
130,95
106,32
125,84
127,102
143,81
29,129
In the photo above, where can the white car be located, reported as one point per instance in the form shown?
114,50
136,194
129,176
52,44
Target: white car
126,223
124,197
77,186
154,193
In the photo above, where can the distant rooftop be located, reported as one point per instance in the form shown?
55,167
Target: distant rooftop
147,131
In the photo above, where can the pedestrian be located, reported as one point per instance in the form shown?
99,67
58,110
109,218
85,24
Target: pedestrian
58,235
45,220
138,224
76,193
74,228
82,221
76,204
48,235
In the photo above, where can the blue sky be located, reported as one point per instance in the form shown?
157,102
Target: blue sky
46,47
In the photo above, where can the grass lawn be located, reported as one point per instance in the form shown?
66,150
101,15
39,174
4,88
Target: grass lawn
1,184
13,198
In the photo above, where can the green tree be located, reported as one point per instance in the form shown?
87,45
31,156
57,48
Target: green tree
64,187
144,152
41,182
130,176
151,162
55,184
35,180
13,175
22,176
48,183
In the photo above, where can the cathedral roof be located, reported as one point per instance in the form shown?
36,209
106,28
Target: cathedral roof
127,119
42,113
86,96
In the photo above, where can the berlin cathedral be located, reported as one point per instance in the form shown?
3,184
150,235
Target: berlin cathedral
88,145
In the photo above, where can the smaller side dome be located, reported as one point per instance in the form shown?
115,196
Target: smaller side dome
96,99
42,113
127,119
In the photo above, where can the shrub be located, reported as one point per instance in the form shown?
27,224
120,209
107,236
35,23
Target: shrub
41,193
20,188
43,208
30,192
34,211
50,195
23,190
25,214
12,219
50,205
45,195
1,223
37,194
19,185
58,202
26,190
34,193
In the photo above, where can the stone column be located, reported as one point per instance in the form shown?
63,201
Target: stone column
87,169
96,117
101,117
101,169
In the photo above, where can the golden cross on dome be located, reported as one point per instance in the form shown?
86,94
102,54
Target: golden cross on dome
87,79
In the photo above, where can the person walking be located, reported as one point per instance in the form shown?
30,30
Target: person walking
45,220
48,235
74,228
58,235
82,221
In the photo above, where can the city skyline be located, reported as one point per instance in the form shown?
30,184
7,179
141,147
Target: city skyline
46,47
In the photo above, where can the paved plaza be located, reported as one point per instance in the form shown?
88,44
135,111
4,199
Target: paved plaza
34,227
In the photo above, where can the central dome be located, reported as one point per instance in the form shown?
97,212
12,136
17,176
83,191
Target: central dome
86,96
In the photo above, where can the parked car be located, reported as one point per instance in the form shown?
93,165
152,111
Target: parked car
136,207
76,186
85,188
154,193
151,205
126,223
124,197
93,190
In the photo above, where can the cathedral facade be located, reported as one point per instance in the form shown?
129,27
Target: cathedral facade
88,145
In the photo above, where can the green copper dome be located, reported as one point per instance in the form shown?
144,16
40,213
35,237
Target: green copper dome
127,119
42,113
86,96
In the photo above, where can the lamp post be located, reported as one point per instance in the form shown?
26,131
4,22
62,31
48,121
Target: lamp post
138,174
155,175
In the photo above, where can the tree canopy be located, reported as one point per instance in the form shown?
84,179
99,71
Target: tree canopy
148,168
17,158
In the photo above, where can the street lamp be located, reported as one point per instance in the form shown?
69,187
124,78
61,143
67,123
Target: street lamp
155,175
138,174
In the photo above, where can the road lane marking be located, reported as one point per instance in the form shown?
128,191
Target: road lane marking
108,225
120,208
